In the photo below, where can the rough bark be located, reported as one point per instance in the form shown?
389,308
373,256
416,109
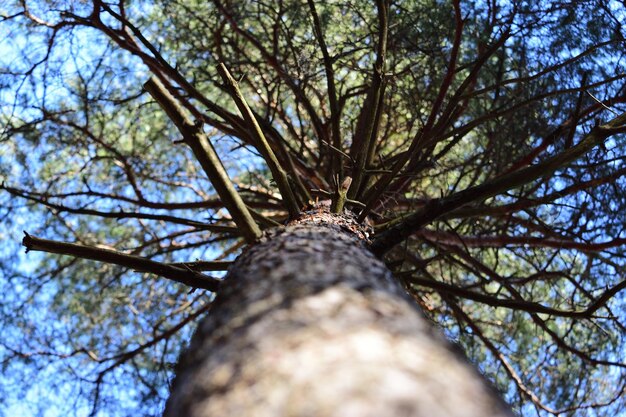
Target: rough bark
310,323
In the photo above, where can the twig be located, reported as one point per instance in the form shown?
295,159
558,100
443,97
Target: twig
510,370
339,151
43,200
274,62
601,103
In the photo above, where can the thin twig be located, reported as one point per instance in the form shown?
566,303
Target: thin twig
601,103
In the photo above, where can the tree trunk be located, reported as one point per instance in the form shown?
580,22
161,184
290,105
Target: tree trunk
310,323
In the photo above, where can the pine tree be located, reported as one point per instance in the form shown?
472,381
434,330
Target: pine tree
372,175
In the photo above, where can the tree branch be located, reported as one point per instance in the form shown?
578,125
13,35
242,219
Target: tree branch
278,173
522,305
208,158
273,62
501,240
438,207
430,134
524,203
203,265
183,275
43,200
363,144
510,370
337,165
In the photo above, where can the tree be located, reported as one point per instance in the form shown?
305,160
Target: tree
481,143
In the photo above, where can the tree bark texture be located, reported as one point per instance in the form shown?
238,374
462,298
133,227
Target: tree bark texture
309,323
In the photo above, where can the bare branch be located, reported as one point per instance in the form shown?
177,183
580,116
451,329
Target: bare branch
438,207
522,304
279,175
204,265
43,200
513,374
336,163
175,273
364,141
274,63
208,158
502,240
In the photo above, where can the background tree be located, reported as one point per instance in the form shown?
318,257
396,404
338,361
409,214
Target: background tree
483,140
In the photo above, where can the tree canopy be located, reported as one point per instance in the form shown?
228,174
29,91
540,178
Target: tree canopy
482,140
